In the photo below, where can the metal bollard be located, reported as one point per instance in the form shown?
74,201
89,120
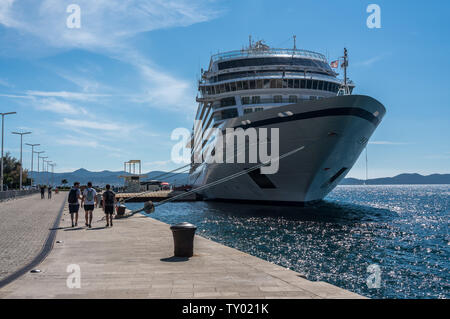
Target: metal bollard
183,238
121,209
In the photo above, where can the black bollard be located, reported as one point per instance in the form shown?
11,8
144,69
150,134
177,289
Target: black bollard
121,209
183,238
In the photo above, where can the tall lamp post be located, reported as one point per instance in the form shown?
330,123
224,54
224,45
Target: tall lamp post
32,156
3,129
48,163
44,169
53,172
21,168
41,158
38,166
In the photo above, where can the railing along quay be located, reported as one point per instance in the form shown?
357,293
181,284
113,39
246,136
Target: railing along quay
16,193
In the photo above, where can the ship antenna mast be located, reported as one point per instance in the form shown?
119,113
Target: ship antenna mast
295,45
345,64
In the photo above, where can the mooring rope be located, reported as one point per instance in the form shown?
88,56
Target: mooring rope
172,171
215,183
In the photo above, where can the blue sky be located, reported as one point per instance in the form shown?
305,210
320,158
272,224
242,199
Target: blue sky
115,89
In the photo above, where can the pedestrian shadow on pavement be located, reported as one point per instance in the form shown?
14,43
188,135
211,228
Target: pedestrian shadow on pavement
59,228
96,228
174,259
71,229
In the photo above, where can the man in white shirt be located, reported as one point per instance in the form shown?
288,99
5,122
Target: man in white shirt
89,200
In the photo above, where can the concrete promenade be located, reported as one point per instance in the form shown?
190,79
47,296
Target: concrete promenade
25,224
134,259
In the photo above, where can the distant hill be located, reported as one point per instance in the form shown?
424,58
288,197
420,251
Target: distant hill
104,177
109,177
407,179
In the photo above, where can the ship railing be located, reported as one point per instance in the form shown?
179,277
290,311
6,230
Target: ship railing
273,100
251,53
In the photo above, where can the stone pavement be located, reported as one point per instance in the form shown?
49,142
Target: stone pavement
25,224
134,260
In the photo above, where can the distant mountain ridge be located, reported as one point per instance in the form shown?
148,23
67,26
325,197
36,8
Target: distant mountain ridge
102,178
402,179
111,177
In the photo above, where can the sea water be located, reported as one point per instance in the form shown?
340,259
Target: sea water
402,232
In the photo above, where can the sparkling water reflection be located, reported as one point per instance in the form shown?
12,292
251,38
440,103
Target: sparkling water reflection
403,229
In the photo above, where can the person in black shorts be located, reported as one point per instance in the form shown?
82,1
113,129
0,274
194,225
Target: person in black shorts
74,206
42,191
90,201
109,202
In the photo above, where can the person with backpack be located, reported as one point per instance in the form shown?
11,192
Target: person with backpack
74,196
89,200
42,191
109,201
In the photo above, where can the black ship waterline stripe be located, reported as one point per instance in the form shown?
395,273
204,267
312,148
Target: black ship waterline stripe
340,111
48,245
261,180
339,173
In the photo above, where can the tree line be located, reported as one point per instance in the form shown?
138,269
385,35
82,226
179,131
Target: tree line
11,172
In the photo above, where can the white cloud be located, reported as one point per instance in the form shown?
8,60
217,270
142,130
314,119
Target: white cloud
67,95
85,142
5,83
87,85
15,96
56,106
5,13
163,90
157,165
93,125
104,23
105,27
371,61
70,141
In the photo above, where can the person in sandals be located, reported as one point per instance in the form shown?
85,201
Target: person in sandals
109,202
89,200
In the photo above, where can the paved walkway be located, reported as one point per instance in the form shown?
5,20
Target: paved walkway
25,224
134,260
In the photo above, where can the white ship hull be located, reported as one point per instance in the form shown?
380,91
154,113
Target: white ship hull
333,131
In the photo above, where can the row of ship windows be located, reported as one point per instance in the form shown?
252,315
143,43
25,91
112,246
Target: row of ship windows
275,99
248,74
272,61
248,100
271,84
245,100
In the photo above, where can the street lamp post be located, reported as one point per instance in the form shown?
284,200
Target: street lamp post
41,158
3,129
32,156
43,168
21,169
48,163
53,172
38,164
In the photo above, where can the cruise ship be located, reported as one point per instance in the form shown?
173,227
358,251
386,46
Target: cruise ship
296,91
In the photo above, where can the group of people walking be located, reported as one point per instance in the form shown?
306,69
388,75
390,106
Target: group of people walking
49,192
89,200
